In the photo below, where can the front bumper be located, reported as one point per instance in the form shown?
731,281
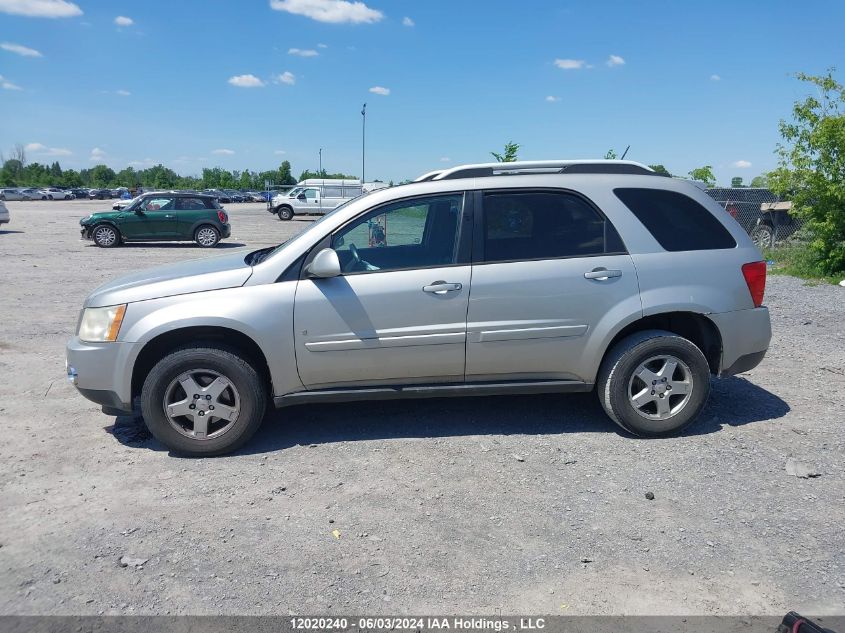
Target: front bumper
98,371
85,233
745,339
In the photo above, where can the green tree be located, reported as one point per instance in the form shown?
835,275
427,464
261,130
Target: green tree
11,175
56,173
811,168
704,174
760,181
660,169
610,155
509,155
736,181
285,176
101,176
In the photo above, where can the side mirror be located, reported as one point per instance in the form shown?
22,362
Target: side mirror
325,264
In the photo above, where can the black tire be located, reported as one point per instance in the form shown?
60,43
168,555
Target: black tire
763,236
616,383
50,197
105,236
3,197
285,213
201,356
204,234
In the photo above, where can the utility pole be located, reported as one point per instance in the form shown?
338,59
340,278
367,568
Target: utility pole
363,141
321,162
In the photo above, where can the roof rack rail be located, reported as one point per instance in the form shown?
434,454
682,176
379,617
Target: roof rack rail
428,176
487,170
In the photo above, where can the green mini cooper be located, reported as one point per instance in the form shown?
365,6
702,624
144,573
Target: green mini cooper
161,216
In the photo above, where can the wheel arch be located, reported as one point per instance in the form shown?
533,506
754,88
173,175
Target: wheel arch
693,326
218,336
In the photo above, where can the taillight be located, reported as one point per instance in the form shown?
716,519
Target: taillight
223,217
755,277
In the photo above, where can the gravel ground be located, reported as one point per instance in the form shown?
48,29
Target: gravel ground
498,504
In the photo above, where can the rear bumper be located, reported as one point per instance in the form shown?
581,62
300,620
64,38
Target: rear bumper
745,339
226,230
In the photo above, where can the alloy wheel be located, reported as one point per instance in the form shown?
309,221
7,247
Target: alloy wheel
202,404
660,387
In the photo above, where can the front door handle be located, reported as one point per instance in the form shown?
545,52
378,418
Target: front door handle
441,287
602,274
169,217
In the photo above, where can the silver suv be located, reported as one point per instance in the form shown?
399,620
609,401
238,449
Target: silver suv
506,278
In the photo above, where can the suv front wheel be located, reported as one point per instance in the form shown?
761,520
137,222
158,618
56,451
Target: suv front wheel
203,400
654,383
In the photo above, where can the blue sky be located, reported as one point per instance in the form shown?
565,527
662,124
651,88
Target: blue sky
688,84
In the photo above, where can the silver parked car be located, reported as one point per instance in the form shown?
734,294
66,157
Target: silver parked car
506,278
12,194
4,213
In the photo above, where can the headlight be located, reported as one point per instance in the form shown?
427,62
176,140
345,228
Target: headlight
101,324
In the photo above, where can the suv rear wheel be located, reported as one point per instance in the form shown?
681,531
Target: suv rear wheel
203,400
654,383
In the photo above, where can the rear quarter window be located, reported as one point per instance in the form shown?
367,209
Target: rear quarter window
676,221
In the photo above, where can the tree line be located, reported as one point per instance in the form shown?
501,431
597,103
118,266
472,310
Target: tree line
17,172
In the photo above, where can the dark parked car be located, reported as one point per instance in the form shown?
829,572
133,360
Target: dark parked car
154,217
99,194
79,192
222,196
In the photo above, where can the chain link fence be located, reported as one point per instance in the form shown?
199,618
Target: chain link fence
764,215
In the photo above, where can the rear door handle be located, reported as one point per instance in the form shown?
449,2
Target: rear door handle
601,274
442,287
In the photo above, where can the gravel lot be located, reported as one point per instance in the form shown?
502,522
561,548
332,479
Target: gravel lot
505,504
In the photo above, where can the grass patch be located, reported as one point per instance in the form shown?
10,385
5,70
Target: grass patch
798,260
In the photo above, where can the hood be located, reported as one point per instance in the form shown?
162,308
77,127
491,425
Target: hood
96,215
199,275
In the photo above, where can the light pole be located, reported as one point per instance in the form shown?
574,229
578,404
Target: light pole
363,142
321,162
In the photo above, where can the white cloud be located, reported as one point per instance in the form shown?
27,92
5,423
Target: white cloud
43,150
279,152
322,45
223,152
570,64
406,21
552,99
8,85
286,78
23,51
147,162
741,164
122,20
96,154
615,60
715,78
303,52
40,8
123,93
332,11
380,90
445,159
246,81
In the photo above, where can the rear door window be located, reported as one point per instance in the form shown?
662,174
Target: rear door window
528,225
676,221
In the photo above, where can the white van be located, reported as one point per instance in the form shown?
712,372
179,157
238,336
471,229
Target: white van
315,196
